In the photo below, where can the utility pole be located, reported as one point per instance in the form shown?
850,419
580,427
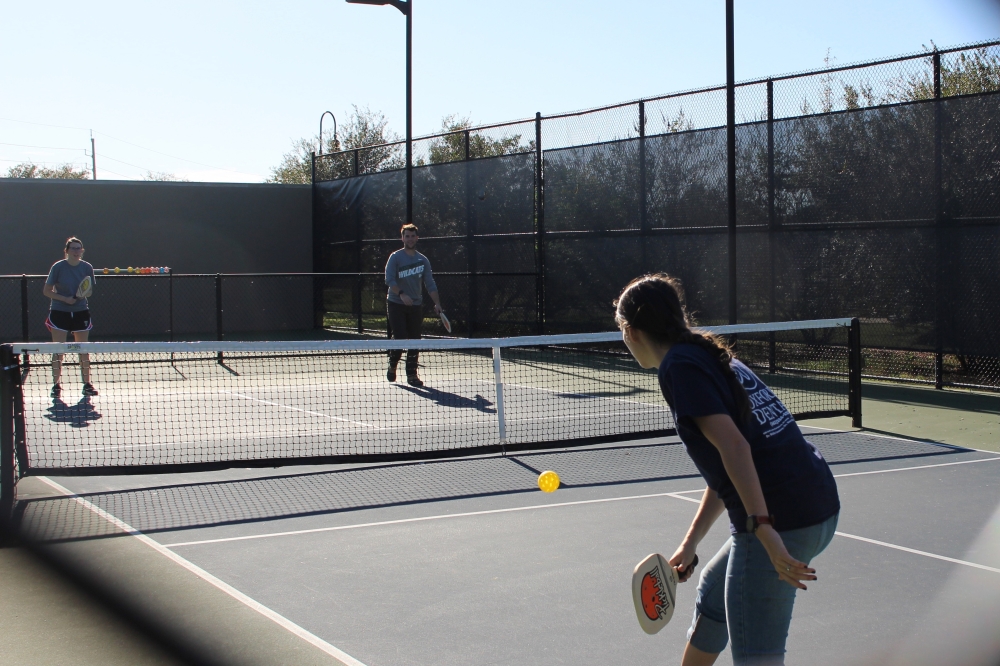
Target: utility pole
93,156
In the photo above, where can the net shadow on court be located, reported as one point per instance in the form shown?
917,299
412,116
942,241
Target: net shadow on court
216,503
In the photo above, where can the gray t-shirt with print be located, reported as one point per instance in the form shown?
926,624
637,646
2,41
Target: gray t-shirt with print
66,279
409,274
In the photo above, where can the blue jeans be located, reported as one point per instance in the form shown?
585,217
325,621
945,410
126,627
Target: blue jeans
742,601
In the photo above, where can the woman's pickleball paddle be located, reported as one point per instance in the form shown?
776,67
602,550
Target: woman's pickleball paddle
86,287
654,591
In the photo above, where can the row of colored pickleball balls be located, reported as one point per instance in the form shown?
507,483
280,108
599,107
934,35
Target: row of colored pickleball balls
137,271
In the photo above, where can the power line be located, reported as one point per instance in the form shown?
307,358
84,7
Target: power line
24,145
210,166
113,138
34,162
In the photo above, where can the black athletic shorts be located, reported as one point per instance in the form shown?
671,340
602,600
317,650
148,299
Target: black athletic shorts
70,322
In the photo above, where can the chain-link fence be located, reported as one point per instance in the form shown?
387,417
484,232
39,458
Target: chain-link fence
865,190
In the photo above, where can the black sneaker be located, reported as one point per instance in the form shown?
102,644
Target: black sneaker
56,390
391,374
413,380
88,389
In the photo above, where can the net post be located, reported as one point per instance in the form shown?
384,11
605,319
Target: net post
218,311
498,378
854,366
8,365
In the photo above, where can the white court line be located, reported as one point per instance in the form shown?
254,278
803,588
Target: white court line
676,495
868,433
280,620
591,396
420,519
919,552
906,469
299,409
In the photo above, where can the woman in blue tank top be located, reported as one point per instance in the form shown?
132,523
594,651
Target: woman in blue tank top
778,491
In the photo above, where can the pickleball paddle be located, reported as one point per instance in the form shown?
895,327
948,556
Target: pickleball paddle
86,287
654,591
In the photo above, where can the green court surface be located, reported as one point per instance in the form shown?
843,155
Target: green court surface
959,418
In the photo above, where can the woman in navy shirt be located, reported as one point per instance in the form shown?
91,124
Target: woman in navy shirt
777,489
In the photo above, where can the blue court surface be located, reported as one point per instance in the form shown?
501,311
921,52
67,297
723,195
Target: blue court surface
465,561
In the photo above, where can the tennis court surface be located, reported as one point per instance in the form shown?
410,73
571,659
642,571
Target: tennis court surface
464,561
455,556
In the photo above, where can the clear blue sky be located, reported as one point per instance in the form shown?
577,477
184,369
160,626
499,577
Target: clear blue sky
229,85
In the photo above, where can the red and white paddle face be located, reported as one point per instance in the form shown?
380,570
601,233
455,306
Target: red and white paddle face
654,592
445,323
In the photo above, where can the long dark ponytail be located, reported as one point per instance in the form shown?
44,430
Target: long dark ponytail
654,304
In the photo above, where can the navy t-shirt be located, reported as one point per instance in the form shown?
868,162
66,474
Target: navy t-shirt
798,485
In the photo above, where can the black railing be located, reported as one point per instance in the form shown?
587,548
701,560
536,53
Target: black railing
174,307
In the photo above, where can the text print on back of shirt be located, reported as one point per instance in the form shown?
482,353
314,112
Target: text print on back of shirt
767,409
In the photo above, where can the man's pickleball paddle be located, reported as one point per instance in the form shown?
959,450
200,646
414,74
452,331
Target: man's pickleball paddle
654,591
445,322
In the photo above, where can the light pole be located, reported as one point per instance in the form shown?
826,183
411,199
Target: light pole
325,113
731,156
407,9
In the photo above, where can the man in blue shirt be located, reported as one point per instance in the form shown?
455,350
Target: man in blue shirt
406,273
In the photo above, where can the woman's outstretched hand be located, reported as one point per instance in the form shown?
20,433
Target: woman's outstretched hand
789,569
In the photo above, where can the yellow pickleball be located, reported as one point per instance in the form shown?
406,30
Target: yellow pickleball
548,481
105,271
117,270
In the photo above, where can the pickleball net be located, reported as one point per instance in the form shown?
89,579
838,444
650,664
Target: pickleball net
190,406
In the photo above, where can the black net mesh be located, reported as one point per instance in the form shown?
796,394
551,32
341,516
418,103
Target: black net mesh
187,406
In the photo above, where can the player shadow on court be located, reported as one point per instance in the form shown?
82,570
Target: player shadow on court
445,399
80,415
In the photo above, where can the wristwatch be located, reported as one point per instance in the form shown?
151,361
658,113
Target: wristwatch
753,522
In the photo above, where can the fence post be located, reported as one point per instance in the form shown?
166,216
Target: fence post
539,228
25,330
939,231
170,304
359,287
731,156
772,221
218,310
854,372
643,224
313,177
470,230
